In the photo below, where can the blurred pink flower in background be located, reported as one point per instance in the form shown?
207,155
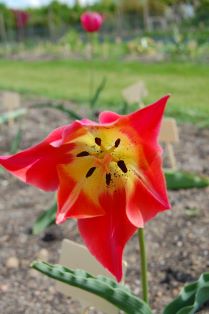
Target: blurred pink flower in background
91,21
21,17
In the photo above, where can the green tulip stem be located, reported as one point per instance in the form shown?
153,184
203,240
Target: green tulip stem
143,264
91,65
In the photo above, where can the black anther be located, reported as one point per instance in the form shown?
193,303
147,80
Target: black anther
98,141
90,172
82,154
121,164
108,178
117,142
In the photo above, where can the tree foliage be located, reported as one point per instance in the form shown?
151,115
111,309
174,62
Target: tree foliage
202,12
60,15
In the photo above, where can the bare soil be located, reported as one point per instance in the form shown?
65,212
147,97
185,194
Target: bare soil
177,240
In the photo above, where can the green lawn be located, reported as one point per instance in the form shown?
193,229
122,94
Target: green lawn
188,83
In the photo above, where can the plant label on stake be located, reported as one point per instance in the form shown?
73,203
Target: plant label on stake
135,93
10,101
169,135
74,256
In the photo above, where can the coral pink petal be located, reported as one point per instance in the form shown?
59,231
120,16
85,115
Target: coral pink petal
108,117
107,235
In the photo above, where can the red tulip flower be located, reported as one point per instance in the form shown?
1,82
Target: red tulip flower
108,176
91,21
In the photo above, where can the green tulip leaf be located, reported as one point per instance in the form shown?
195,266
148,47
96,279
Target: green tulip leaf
11,115
177,180
97,93
191,298
45,219
15,144
60,107
104,287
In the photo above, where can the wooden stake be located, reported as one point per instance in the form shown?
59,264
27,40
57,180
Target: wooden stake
171,155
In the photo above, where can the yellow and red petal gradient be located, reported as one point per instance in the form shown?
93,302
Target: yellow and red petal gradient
147,195
108,176
72,201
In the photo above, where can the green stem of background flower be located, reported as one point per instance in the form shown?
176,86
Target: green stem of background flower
143,264
91,66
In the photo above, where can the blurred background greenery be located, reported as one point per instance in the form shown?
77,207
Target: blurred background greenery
165,43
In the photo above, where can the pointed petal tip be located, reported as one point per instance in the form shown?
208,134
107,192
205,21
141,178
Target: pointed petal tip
118,277
160,102
163,100
167,96
165,201
117,272
167,205
60,218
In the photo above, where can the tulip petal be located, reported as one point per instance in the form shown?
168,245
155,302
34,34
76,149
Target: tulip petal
55,135
37,165
147,121
142,206
107,235
43,175
149,195
156,179
108,117
72,201
32,154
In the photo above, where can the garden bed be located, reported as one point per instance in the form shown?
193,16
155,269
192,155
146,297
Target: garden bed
177,240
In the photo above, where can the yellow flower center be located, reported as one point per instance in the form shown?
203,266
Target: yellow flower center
104,158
